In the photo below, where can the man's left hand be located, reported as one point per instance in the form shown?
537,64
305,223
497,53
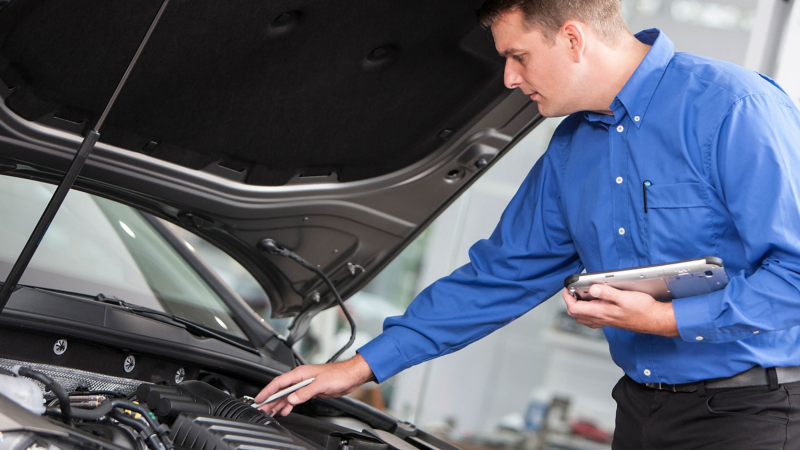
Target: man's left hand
629,310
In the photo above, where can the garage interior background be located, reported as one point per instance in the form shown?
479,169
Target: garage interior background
497,391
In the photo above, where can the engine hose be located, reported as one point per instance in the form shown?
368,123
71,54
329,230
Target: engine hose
52,385
84,414
148,416
149,435
152,429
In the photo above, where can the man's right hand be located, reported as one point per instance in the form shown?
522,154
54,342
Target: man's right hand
330,380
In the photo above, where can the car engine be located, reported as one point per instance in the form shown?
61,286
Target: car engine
77,409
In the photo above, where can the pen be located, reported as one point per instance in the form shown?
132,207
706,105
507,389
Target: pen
284,392
645,185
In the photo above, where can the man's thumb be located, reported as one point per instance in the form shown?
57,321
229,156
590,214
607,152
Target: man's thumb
302,395
602,292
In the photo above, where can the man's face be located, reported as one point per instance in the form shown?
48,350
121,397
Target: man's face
546,73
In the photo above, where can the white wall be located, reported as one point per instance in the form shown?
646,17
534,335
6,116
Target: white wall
787,72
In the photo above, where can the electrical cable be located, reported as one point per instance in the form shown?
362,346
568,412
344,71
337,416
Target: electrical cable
271,246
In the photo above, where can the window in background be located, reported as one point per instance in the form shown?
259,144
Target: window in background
716,28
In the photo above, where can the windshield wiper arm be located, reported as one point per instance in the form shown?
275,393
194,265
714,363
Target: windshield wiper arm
192,327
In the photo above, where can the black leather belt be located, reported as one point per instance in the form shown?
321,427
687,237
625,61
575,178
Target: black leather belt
757,376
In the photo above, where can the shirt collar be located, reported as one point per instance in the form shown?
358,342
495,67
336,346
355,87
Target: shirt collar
635,96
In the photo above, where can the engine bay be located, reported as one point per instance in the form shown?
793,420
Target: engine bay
69,409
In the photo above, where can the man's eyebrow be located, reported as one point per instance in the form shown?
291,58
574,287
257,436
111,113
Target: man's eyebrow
509,51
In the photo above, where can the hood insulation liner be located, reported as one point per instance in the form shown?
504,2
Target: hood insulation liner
269,89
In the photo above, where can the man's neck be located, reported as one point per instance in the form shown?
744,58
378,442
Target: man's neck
615,66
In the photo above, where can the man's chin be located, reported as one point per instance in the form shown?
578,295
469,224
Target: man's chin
549,112
547,109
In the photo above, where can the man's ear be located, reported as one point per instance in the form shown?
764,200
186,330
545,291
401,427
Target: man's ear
573,35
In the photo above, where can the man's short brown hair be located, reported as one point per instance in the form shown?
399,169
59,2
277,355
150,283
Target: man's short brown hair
547,16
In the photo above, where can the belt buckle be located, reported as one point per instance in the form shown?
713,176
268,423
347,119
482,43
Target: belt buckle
662,387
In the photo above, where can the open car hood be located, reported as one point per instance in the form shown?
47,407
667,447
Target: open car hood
338,129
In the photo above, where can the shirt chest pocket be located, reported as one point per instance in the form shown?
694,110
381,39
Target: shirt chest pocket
678,222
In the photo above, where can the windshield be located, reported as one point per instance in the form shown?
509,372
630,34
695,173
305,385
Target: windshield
97,246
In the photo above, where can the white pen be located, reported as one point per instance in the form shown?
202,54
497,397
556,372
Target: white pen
286,391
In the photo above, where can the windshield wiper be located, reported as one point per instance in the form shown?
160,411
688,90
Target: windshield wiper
192,327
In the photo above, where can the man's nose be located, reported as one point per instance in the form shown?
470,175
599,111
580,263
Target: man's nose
511,77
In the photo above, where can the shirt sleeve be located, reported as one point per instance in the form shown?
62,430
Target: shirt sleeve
523,263
756,166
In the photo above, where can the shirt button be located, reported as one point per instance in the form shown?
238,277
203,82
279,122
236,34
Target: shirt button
619,180
755,332
622,231
637,118
620,128
647,372
698,338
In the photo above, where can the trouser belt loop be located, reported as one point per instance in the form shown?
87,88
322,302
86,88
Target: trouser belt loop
701,388
772,379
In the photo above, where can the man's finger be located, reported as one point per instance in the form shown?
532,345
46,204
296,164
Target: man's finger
287,409
275,406
304,394
568,298
590,323
576,308
604,292
282,382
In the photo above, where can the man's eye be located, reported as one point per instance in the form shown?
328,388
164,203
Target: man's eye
517,58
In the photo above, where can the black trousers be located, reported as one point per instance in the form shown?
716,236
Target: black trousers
752,418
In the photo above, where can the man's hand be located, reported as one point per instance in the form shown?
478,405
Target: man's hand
629,310
331,380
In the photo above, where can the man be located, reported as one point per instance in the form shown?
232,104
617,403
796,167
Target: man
717,149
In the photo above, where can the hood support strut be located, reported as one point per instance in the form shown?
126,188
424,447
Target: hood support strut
89,141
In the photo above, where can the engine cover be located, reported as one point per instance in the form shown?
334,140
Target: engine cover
199,432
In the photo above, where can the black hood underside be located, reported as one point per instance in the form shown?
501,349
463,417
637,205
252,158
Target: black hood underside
338,129
269,89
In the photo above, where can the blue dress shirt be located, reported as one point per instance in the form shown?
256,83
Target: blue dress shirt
720,146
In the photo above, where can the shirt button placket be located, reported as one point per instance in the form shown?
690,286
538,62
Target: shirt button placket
617,140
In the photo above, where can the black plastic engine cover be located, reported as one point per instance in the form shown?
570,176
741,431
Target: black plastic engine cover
197,397
196,432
